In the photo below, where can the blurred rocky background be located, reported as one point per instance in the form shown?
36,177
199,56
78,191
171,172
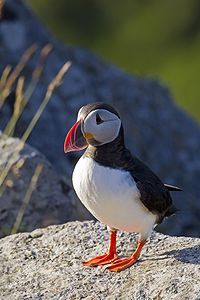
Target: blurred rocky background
156,38
147,37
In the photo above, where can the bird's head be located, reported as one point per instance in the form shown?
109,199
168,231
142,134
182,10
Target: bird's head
97,124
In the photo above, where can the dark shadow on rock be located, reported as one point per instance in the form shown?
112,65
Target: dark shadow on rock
187,255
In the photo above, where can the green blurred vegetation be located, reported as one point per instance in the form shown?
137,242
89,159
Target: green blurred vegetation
157,38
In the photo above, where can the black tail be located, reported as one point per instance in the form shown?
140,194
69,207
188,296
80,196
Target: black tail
172,188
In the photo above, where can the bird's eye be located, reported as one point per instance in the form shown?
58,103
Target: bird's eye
98,119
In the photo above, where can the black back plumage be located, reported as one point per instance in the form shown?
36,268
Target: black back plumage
154,194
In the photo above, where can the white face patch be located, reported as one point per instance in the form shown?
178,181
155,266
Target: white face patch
103,125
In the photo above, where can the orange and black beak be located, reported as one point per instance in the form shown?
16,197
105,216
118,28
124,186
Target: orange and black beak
75,140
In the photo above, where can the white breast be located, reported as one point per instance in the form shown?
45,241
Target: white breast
111,195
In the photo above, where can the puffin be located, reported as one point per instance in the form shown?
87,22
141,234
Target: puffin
115,186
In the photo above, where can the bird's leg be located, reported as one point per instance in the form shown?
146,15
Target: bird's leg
108,257
123,263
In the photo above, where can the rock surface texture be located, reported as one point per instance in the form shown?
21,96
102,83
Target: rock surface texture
156,130
52,201
46,264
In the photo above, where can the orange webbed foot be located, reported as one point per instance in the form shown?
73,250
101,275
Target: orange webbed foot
122,264
104,259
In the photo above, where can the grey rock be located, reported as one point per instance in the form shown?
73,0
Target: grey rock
52,202
47,264
159,132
